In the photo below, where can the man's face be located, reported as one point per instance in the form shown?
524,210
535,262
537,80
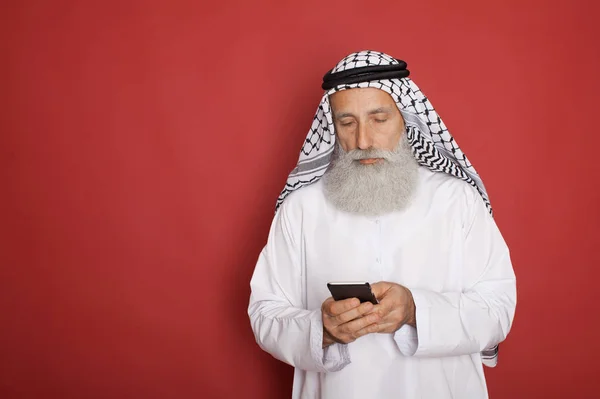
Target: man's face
366,118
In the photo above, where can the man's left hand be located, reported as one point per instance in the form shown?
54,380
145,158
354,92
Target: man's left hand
396,306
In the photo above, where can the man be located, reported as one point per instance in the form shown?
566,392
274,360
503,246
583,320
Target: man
382,193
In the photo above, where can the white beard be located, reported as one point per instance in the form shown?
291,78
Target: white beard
375,189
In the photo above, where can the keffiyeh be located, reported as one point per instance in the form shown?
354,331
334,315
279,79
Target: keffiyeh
432,144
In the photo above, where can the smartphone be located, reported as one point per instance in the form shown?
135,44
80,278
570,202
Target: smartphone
350,289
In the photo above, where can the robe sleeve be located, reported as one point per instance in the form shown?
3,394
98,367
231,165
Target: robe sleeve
479,317
281,324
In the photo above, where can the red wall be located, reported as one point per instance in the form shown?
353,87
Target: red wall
143,145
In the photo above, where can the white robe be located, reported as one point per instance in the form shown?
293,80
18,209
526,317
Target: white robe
446,248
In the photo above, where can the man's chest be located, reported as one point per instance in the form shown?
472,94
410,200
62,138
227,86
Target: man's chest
424,254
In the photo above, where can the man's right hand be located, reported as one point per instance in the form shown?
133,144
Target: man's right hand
344,321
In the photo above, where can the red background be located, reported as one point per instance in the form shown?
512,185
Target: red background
143,145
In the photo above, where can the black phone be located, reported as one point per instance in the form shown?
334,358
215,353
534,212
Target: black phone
344,290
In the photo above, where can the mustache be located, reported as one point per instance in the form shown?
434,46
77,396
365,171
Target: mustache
358,154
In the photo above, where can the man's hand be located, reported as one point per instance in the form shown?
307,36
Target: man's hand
344,321
396,306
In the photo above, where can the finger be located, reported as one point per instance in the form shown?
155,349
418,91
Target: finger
347,337
354,313
325,307
339,307
353,326
381,310
369,329
388,328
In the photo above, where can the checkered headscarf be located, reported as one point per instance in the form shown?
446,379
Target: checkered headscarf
432,144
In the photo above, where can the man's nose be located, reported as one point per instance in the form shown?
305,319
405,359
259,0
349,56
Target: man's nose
363,139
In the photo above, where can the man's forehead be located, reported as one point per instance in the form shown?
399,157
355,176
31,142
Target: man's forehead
359,91
363,96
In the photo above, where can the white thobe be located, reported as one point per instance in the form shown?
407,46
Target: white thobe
445,247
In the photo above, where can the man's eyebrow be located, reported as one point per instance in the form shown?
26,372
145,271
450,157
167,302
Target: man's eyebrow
343,115
381,110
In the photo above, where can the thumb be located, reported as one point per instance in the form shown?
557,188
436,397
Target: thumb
380,288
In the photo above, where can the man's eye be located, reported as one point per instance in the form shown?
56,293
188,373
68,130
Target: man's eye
346,123
380,120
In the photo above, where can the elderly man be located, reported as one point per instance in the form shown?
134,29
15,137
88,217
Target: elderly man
383,194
